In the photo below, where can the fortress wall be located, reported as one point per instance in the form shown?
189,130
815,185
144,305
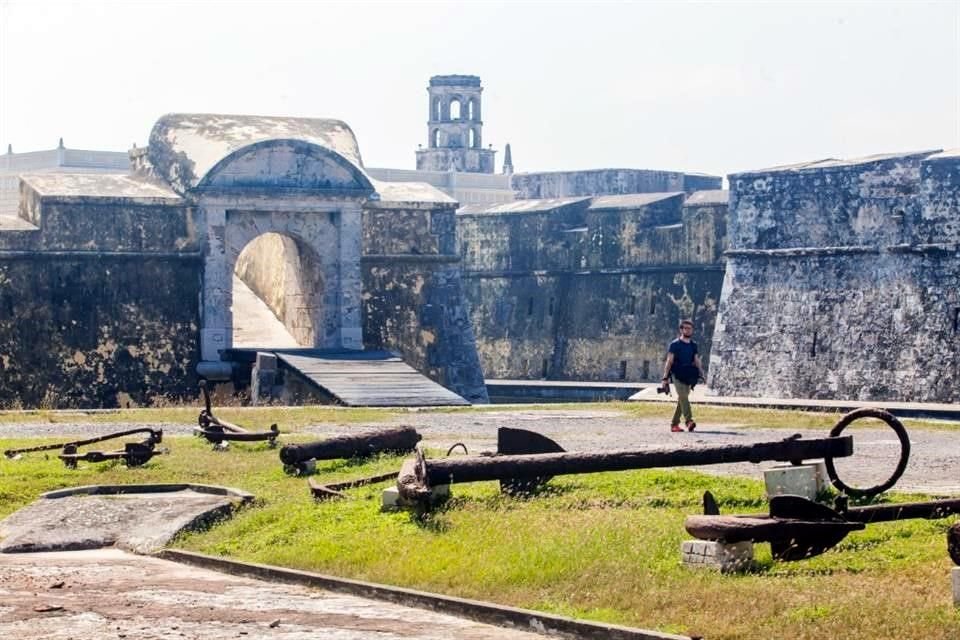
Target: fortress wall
843,282
590,294
413,299
106,317
594,182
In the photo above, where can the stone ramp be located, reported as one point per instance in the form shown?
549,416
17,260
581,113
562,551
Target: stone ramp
140,518
359,378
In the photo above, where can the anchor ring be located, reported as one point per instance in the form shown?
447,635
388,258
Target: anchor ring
897,427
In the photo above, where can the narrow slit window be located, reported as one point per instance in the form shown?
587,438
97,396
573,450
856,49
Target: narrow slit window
530,307
543,370
623,369
653,305
956,319
813,346
550,307
646,369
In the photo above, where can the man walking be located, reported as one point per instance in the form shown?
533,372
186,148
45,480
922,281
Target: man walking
683,364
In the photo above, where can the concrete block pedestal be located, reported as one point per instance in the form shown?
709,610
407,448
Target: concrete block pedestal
727,558
390,498
805,480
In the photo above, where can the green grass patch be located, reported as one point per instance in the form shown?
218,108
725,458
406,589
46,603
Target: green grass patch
599,546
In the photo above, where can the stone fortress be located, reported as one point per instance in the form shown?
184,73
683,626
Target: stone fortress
831,279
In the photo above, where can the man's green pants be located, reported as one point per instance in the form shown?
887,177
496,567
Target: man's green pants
683,402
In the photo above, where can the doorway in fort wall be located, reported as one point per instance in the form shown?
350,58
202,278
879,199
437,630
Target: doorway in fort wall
298,260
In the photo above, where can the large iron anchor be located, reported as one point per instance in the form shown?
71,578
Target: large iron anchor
524,473
134,454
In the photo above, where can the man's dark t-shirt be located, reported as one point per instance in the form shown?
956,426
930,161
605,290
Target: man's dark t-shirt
683,368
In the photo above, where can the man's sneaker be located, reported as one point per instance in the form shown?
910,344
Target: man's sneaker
676,428
691,425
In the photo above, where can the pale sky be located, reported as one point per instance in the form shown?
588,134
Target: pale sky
714,87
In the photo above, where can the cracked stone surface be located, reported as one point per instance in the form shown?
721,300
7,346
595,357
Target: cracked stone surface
92,595
141,522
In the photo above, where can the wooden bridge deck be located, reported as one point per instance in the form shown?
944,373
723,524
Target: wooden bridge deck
361,378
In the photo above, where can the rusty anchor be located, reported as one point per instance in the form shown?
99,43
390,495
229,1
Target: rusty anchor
221,433
525,468
134,454
300,459
798,528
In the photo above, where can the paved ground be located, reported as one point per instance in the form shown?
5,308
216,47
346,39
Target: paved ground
94,595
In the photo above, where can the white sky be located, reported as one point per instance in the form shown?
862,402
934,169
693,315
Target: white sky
713,87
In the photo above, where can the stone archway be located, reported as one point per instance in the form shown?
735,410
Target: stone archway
328,233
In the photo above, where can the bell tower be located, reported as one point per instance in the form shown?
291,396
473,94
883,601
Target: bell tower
454,128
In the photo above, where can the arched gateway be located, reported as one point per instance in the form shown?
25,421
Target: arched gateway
253,175
160,247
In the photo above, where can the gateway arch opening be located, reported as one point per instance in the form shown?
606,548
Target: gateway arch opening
278,294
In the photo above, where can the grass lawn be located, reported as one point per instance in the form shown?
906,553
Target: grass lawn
600,546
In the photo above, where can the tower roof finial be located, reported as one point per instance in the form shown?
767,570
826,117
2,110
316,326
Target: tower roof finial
507,161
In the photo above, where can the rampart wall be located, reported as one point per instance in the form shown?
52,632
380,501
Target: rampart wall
99,304
843,281
598,182
591,288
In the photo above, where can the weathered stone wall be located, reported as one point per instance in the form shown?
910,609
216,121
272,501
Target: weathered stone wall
595,182
591,288
843,281
413,300
99,307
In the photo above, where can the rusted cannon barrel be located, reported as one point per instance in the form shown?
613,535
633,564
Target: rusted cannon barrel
361,443
419,474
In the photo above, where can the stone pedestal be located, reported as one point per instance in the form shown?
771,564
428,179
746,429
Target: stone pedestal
727,558
263,378
390,499
806,480
955,575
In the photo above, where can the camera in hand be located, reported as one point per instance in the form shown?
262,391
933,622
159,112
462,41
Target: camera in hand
664,388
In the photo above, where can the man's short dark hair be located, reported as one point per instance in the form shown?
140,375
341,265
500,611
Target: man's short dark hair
686,321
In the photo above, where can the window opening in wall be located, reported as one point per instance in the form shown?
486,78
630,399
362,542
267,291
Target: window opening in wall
631,305
530,307
699,249
471,114
550,310
454,109
435,139
623,369
525,366
436,109
471,138
543,370
646,369
653,305
956,319
813,346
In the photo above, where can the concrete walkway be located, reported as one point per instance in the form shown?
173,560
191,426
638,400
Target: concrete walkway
705,395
